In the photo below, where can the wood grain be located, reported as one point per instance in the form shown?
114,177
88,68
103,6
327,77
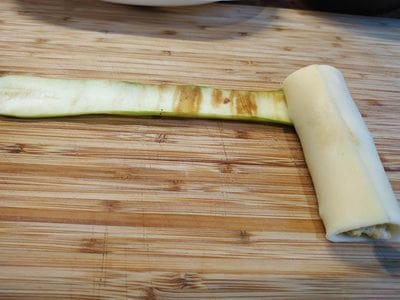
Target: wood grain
105,207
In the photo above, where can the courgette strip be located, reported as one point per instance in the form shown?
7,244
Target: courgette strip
35,97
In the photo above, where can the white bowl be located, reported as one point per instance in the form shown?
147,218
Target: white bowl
162,2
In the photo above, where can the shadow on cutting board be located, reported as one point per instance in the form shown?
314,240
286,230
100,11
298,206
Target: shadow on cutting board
375,27
204,22
187,23
389,258
369,257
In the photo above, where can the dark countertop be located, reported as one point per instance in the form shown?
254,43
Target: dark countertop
392,10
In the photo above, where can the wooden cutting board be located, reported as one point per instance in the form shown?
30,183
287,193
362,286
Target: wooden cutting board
105,207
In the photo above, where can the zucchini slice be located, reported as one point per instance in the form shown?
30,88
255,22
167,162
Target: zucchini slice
356,201
35,97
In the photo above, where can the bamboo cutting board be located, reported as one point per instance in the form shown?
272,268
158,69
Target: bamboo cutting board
105,207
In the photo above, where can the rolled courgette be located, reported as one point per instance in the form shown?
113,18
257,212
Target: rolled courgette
355,198
356,201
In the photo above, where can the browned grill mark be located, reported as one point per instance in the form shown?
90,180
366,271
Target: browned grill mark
217,98
245,102
187,99
278,98
163,86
